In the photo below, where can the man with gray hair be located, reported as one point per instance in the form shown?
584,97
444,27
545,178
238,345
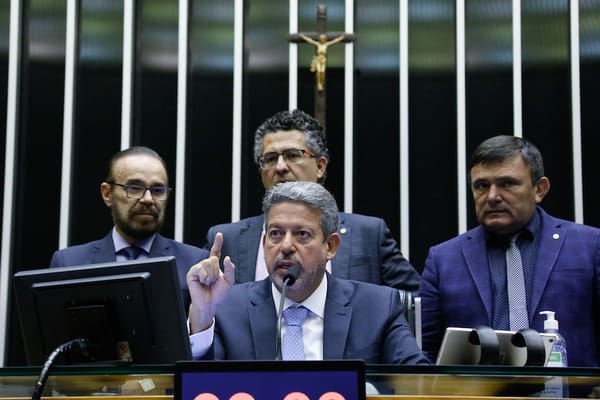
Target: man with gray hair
341,319
292,146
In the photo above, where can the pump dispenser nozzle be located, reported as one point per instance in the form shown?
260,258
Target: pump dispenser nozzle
550,322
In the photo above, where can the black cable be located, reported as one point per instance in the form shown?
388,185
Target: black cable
68,346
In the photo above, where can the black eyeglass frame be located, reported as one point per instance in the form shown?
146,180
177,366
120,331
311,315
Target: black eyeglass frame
261,159
160,190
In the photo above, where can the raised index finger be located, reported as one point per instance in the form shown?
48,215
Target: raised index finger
215,250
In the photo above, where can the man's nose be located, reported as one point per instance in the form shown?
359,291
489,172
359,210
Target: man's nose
494,194
281,164
287,244
147,197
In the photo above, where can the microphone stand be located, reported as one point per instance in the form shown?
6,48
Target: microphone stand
279,312
288,280
68,346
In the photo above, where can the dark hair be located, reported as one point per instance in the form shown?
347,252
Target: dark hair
312,194
135,150
499,148
314,134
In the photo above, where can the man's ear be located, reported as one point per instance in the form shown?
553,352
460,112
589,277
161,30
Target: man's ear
321,166
333,243
105,192
542,187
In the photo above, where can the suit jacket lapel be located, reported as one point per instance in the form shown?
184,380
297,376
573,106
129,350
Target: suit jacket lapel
262,318
248,249
338,312
341,262
552,237
160,247
103,251
475,253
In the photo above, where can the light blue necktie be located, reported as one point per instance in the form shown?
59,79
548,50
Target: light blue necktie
293,344
515,281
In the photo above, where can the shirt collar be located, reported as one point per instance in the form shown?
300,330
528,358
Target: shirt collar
529,232
315,302
121,243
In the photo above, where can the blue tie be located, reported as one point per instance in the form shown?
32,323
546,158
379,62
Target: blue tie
131,252
293,344
515,282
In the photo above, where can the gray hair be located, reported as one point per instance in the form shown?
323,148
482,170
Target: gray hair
499,148
313,194
296,120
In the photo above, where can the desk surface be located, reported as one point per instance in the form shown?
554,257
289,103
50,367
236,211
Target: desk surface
156,382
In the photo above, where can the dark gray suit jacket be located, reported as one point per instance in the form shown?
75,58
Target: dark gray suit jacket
367,251
362,321
103,250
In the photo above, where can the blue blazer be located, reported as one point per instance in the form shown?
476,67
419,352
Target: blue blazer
456,289
103,251
367,251
362,321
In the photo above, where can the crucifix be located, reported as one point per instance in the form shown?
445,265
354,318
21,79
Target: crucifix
321,39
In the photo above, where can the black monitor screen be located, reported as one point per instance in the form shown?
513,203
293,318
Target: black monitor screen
130,312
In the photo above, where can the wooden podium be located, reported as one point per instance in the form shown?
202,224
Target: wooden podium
393,382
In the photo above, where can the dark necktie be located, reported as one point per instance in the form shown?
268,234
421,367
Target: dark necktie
131,252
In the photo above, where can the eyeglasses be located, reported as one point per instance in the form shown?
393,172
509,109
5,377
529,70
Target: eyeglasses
291,156
137,192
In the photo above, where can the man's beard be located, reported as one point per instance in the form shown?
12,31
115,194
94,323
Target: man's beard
138,231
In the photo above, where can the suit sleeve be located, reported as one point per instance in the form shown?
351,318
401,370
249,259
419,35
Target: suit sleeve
56,260
431,311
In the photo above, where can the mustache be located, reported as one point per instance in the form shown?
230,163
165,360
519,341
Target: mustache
144,210
285,262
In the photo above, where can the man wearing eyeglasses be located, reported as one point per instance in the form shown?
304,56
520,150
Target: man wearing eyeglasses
136,190
291,146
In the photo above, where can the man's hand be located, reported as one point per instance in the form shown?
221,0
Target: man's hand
208,286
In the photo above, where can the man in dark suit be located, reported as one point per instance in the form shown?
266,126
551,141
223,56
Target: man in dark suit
465,279
344,318
136,190
292,146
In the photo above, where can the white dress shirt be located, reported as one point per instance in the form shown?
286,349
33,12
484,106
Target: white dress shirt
312,328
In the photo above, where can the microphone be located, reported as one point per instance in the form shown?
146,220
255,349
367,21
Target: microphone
288,280
80,344
291,275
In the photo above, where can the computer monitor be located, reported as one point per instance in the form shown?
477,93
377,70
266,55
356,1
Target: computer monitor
130,312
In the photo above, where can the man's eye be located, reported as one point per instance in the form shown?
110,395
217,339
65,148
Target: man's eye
508,183
293,155
274,234
303,235
158,189
270,158
479,186
135,188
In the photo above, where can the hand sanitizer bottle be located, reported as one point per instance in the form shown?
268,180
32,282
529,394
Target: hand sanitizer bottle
558,355
555,386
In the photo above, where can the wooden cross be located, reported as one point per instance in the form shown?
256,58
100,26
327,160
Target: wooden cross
321,39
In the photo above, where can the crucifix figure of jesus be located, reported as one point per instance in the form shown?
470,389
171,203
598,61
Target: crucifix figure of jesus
322,40
319,61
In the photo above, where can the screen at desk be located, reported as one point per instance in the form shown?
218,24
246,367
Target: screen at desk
130,312
285,380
